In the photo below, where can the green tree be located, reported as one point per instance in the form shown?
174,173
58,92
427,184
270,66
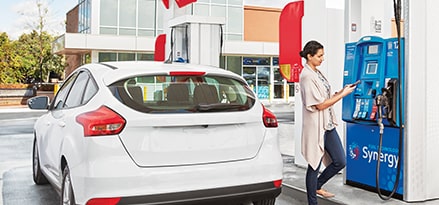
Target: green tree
42,50
30,57
35,56
8,60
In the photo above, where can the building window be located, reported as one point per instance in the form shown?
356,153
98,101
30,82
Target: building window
262,75
232,10
145,57
126,57
201,9
122,56
84,16
218,10
131,17
146,17
104,57
257,72
234,23
235,2
127,16
234,64
282,88
109,13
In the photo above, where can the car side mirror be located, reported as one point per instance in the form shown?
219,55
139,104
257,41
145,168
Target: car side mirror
38,103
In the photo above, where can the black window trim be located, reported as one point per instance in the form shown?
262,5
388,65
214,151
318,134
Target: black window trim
52,104
75,75
92,80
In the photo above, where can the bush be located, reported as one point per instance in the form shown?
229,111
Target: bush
15,86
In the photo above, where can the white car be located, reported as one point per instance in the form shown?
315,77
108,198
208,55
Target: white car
156,133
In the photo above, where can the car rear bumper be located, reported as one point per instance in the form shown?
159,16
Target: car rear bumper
228,195
107,171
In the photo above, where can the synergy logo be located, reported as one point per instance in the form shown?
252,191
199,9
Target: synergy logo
354,151
370,153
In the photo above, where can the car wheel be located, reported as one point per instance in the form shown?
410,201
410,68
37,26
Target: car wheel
265,202
38,176
67,195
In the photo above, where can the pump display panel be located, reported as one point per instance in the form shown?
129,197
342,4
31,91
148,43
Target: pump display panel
372,68
372,49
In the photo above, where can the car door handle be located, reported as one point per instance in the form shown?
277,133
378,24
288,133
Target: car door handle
62,124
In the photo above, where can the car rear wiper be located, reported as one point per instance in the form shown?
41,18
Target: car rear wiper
220,107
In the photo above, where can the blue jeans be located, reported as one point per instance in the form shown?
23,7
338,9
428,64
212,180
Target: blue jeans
335,150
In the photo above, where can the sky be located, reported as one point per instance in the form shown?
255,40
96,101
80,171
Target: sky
17,16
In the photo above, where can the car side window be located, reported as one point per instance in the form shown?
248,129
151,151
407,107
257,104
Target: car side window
75,96
90,90
58,102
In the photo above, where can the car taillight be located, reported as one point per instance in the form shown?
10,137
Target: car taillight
269,118
277,183
103,121
103,201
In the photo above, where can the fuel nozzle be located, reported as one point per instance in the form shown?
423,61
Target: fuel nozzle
380,101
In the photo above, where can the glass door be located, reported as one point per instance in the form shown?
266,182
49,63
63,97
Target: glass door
278,84
249,74
263,82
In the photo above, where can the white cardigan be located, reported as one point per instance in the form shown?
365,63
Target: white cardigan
313,92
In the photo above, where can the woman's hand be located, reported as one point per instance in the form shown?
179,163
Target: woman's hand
348,89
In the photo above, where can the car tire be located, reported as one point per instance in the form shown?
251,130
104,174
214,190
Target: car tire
265,202
38,176
67,195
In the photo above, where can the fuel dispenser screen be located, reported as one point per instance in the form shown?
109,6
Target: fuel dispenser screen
371,68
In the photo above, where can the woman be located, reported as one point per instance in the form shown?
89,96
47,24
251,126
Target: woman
320,140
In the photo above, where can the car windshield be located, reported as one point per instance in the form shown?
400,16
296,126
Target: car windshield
187,94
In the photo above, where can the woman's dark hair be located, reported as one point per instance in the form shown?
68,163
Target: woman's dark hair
310,48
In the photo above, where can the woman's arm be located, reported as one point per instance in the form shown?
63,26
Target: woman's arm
336,97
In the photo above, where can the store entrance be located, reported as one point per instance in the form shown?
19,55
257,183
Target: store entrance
263,76
258,77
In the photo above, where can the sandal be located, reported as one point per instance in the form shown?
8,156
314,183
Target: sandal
325,193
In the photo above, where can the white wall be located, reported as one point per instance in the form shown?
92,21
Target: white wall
326,26
100,42
352,19
95,16
422,111
371,11
372,17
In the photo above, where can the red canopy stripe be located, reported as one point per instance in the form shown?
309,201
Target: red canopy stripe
183,3
166,3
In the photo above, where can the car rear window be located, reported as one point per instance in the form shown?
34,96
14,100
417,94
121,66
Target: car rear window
188,94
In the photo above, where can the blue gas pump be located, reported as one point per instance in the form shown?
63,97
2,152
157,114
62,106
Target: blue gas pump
373,115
